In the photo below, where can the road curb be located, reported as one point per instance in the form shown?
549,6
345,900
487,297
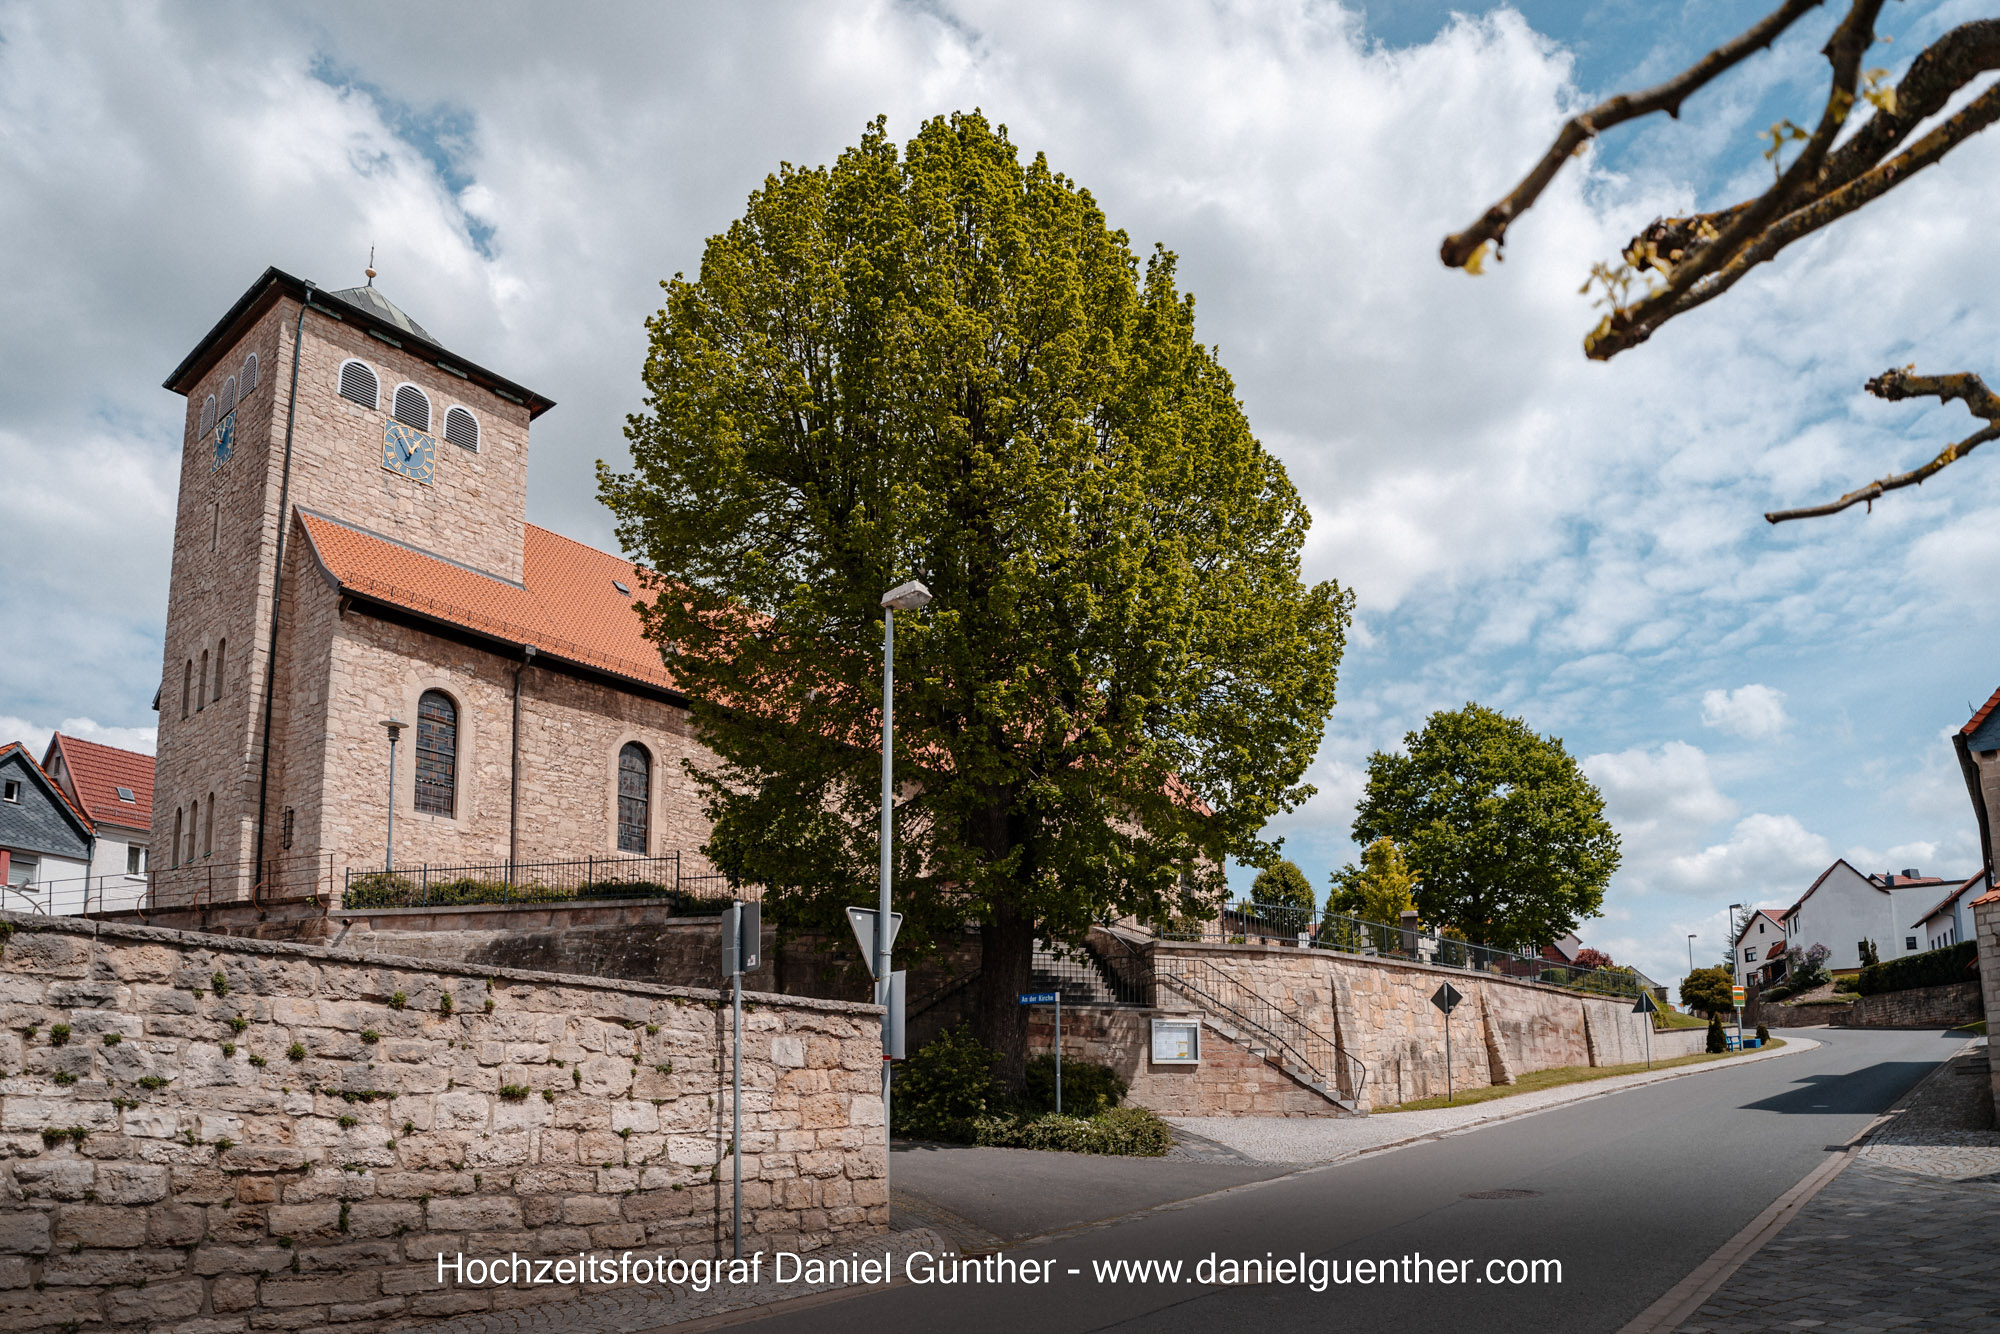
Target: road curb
1680,1302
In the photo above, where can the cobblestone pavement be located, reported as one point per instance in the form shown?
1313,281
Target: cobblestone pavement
1904,1238
1316,1139
630,1310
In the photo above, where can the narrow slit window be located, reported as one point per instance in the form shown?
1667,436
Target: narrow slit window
437,754
208,827
179,825
248,380
215,688
635,797
201,685
462,429
413,407
194,827
187,685
358,384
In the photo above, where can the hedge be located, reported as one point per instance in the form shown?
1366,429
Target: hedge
1935,968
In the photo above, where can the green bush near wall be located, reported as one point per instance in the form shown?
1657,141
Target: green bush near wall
1934,968
383,889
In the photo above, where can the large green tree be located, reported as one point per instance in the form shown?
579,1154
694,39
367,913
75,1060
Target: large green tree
1283,885
1505,835
943,363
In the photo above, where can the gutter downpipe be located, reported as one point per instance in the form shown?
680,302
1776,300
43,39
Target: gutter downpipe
278,590
514,770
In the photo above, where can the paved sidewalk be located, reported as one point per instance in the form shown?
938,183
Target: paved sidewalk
1305,1140
1903,1239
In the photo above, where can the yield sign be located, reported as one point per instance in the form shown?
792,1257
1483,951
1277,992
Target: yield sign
1645,1004
1446,998
863,922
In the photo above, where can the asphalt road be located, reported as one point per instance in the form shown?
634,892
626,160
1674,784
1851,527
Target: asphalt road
1629,1194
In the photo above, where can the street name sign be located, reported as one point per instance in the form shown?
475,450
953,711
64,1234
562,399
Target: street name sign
1040,997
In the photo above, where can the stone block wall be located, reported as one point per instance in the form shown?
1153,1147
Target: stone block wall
1920,1007
1230,1081
225,1134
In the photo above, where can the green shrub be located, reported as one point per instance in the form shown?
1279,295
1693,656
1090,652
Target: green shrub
1846,986
1763,1033
1717,1039
1087,1088
946,1085
1134,1131
1934,968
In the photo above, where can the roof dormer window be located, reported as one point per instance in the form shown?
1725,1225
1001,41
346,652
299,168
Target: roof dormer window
125,794
358,384
413,407
462,428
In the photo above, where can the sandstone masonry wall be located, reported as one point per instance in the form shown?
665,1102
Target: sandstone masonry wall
214,1135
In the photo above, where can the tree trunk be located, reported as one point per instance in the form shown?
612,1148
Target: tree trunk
1007,949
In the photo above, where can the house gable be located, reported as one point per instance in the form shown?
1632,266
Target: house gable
40,819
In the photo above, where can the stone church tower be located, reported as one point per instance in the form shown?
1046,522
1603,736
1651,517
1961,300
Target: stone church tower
351,546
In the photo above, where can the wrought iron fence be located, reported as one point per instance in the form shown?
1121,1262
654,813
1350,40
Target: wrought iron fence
688,881
1083,976
1282,924
199,883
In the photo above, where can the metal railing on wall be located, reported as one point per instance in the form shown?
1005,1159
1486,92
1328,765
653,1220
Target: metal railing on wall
198,883
687,880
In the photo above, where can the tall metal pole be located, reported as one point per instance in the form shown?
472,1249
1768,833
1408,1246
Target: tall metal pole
1448,1094
888,817
736,1062
395,727
1058,1051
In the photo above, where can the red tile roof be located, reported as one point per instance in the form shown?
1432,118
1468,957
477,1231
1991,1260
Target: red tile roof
1968,883
1972,725
98,771
566,606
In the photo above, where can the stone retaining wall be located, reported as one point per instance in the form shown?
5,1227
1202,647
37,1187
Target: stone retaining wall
224,1135
1920,1007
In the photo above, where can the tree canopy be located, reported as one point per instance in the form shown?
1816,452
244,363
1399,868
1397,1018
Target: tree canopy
1678,264
1708,990
1504,833
943,363
1381,889
1282,885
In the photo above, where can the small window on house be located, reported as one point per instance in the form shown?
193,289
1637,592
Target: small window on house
248,382
21,870
207,415
13,791
228,403
208,828
437,753
125,794
462,429
358,383
622,587
635,797
1760,928
413,407
135,859
1909,942
215,686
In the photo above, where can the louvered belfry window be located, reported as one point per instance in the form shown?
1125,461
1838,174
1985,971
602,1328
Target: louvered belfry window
358,383
208,414
413,407
437,754
249,379
462,429
635,797
228,404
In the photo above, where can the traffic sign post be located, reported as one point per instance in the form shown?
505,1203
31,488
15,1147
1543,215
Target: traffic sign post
1648,1007
742,934
1736,999
1446,998
1051,998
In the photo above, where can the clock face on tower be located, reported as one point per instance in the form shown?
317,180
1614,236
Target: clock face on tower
408,451
225,441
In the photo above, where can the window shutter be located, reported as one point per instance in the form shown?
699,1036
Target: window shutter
413,407
462,429
357,382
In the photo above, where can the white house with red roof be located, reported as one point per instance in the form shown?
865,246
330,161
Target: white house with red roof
1760,947
114,788
1844,907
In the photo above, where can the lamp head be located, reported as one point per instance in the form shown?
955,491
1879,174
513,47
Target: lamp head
395,726
912,596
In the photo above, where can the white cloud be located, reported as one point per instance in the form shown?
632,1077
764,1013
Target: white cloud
1767,857
35,736
1659,799
1753,712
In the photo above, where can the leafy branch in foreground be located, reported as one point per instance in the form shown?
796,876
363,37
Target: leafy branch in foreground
1689,261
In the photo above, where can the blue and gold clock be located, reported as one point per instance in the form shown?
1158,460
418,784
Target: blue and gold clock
225,441
408,451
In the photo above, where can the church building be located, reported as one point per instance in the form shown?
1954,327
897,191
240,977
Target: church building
351,550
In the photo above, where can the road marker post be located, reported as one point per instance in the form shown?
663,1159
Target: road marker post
1648,1007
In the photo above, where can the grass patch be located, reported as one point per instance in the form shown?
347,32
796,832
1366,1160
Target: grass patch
1667,1019
1976,1026
1561,1075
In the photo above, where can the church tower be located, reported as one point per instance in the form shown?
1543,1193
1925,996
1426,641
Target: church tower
303,402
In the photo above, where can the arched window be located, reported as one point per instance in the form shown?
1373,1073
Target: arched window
462,429
208,414
228,403
635,797
201,685
248,380
208,827
437,754
358,383
215,686
174,858
413,407
194,826
187,685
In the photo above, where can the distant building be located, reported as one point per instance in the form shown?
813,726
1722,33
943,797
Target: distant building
1845,907
1760,947
114,788
1950,921
44,837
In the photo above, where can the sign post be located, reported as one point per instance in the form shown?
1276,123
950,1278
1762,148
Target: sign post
1051,998
1648,1007
1736,999
1446,998
742,934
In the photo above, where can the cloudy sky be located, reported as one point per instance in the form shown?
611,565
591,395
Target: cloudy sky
1578,544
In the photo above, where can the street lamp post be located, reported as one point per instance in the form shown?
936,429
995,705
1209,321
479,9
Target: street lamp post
911,596
395,726
1691,936
1736,969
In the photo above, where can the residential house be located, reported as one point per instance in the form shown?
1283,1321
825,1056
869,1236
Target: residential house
1760,947
1844,907
44,836
1950,920
114,788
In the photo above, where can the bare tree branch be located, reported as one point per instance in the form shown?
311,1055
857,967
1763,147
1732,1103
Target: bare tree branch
1667,97
1895,385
